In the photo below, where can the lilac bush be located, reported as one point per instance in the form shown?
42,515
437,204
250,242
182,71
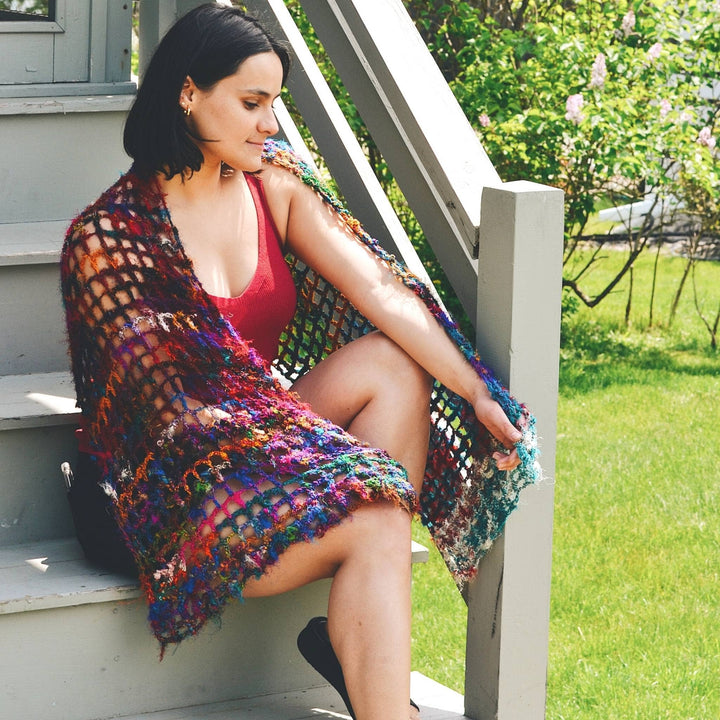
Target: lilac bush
615,103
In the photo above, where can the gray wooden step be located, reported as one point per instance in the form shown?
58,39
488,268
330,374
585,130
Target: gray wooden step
31,242
37,424
81,647
59,154
75,643
38,417
37,400
53,573
32,321
436,703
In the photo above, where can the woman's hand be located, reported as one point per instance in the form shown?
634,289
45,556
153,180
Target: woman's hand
211,415
492,416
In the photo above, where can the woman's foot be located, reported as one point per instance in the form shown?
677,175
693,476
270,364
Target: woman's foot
314,645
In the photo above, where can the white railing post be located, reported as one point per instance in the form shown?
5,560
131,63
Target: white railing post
518,334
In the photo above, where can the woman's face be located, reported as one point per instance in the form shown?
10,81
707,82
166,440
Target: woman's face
236,113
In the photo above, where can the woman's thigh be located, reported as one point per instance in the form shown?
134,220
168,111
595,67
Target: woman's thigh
373,389
375,532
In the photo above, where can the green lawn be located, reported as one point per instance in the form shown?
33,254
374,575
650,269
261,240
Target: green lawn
635,613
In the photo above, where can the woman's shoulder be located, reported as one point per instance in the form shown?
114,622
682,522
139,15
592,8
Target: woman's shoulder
282,185
285,163
279,187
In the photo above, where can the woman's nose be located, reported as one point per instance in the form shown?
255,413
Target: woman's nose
269,123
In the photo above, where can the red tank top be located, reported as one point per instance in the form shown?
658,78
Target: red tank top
261,312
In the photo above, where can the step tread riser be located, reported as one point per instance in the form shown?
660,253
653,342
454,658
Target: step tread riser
42,141
32,243
33,318
33,505
99,659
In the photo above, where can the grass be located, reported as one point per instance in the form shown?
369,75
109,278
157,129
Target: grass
636,557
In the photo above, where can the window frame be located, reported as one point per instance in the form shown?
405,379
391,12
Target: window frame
56,25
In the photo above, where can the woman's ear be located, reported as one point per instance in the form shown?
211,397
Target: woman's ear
186,94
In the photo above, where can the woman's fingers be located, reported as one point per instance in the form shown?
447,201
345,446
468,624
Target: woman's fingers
507,462
492,416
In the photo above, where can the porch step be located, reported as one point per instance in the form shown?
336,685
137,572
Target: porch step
77,646
32,321
37,423
31,242
36,400
85,634
59,154
38,417
436,703
54,573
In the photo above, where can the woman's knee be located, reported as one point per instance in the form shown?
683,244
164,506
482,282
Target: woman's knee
383,526
398,367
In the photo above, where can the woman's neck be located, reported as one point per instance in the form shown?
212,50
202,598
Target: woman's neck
199,187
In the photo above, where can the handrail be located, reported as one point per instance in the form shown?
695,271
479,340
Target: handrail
340,149
430,147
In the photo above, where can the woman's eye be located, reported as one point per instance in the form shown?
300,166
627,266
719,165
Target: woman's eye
250,105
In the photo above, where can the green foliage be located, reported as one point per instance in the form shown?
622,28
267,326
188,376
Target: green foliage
608,101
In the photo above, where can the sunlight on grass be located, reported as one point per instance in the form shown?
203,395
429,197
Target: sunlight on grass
634,601
439,619
637,538
636,561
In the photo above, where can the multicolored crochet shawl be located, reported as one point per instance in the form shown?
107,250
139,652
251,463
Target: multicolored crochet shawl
153,360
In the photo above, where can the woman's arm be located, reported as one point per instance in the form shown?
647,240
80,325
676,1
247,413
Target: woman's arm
318,237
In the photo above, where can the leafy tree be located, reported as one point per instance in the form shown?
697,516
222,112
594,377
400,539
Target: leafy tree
611,102
614,103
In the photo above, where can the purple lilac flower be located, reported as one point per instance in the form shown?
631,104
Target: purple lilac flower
573,108
598,72
705,138
654,52
484,120
665,107
628,23
686,115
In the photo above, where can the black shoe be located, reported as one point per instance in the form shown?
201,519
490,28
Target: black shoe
314,645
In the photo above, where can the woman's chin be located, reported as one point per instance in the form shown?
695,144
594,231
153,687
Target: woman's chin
249,165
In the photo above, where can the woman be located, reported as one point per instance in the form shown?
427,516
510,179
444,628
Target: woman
176,295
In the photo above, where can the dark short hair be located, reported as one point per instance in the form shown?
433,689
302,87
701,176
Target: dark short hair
208,44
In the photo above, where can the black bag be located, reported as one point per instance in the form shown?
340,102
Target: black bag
92,515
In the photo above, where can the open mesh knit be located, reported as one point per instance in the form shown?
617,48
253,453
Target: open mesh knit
214,467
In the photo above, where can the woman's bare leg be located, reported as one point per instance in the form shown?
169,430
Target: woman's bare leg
369,608
373,389
369,616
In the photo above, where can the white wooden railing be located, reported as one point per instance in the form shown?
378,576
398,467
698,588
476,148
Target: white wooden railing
500,244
